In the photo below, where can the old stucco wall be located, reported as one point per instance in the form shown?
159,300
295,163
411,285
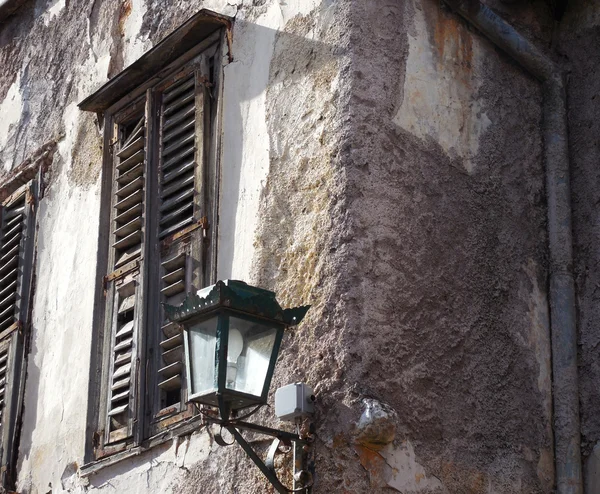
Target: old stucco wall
442,312
382,162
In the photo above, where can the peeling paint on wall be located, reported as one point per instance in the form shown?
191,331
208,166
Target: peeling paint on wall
10,111
440,99
53,10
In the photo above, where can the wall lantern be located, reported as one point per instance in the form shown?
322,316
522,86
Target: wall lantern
232,333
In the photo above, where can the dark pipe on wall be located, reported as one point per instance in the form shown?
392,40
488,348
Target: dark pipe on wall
565,396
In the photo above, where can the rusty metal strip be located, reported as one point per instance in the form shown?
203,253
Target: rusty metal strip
17,325
118,273
201,223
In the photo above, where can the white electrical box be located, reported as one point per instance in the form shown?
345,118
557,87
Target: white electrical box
294,400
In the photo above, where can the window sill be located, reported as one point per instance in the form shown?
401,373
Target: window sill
183,429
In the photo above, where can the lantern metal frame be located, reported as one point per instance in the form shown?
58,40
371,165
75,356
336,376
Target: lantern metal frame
232,298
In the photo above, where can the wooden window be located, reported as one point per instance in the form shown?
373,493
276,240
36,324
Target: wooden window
162,179
17,232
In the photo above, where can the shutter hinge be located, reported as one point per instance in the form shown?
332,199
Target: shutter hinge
205,225
202,79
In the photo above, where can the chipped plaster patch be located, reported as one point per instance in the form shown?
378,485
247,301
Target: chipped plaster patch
135,44
10,115
70,121
397,467
440,88
53,11
407,474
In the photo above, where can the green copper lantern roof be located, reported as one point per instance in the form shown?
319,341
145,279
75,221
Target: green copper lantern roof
235,295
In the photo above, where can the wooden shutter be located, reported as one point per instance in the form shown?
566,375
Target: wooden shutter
183,215
17,240
13,238
124,282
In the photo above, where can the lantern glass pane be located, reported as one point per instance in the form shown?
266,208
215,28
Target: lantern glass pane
202,342
249,353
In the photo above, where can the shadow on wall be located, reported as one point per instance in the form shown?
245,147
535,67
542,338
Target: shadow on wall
247,144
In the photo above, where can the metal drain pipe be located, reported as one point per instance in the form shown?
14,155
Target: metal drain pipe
565,396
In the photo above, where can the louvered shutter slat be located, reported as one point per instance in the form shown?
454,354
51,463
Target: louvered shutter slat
172,106
121,371
128,164
175,159
129,214
121,384
173,355
9,264
127,329
9,310
135,147
184,181
133,186
129,228
11,230
175,214
171,383
170,370
174,92
179,122
14,252
129,201
132,173
13,212
120,396
170,329
118,410
11,242
8,277
172,342
172,175
123,344
132,239
184,195
8,300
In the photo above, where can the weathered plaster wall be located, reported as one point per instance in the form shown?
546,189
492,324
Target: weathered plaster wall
579,40
382,162
442,312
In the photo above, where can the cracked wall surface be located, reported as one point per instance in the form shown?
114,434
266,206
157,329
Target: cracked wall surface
381,162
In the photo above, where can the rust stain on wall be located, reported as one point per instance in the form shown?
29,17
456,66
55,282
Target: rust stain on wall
124,13
453,41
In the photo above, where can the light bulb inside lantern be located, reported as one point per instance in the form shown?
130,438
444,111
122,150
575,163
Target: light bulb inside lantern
234,350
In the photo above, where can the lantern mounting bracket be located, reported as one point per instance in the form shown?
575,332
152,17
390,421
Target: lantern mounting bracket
301,444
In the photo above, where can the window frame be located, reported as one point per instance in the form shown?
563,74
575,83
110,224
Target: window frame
145,388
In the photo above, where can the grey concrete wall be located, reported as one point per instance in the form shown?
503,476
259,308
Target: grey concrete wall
382,162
